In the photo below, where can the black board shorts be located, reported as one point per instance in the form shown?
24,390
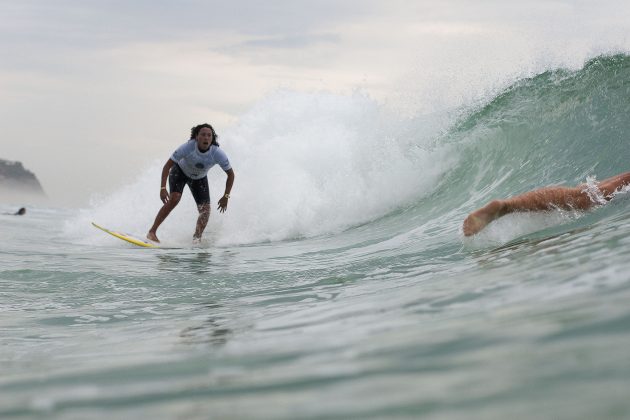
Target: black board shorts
198,187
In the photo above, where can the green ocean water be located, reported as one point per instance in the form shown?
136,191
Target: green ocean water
355,294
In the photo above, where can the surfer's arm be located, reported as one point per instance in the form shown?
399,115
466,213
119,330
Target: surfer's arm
223,202
165,171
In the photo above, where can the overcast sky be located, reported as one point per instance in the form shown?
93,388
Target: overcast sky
94,91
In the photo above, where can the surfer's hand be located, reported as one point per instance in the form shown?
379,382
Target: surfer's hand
164,196
223,202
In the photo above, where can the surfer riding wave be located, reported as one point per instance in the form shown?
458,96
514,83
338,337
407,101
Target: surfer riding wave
189,165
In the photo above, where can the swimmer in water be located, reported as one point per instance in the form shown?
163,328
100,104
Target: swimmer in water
20,212
548,198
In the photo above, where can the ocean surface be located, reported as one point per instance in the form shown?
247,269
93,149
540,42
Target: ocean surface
338,285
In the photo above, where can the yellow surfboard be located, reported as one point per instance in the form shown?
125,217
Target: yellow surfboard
127,237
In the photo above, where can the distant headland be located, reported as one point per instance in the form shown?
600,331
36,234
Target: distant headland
17,181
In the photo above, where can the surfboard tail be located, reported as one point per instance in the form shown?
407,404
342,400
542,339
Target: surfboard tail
127,237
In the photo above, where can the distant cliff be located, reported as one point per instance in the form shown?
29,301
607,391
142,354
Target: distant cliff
15,178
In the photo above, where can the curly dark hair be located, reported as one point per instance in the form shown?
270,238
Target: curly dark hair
195,130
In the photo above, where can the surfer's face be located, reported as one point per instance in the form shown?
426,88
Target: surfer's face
204,139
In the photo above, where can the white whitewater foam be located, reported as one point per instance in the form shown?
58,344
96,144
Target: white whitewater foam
305,164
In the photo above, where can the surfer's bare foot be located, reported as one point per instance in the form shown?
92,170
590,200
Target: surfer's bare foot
479,219
152,237
196,240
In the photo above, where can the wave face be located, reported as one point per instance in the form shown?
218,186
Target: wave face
557,127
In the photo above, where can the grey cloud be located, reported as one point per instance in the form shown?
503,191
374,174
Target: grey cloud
290,41
111,22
